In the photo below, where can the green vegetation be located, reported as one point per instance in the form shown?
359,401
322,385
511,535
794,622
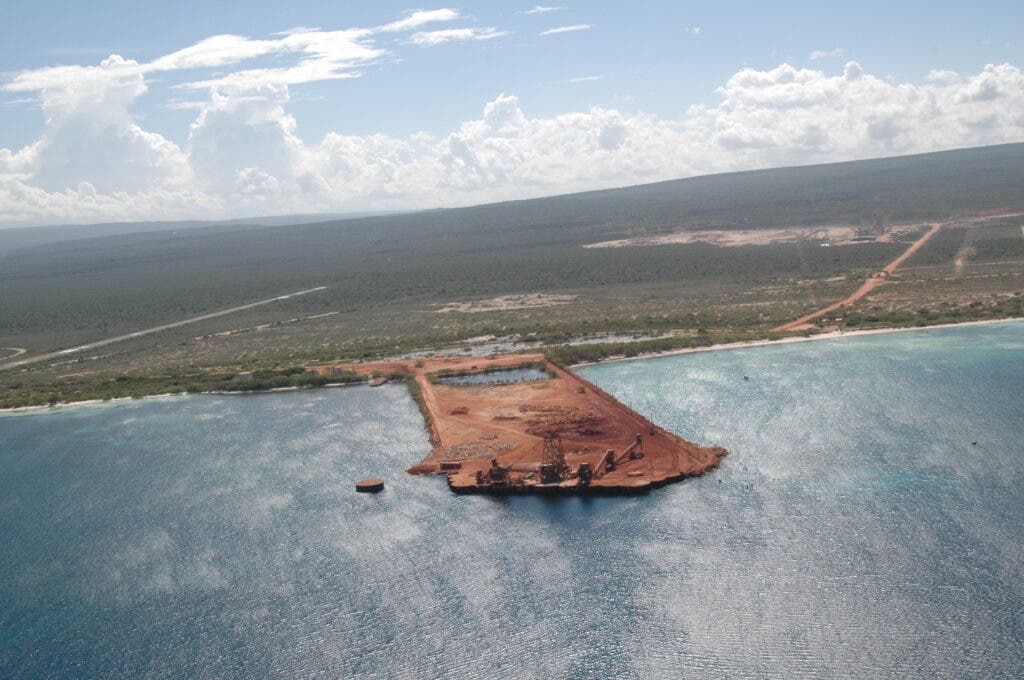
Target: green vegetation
62,293
940,249
1000,308
137,386
388,277
568,355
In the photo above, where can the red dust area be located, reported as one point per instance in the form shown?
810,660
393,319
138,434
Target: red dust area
555,435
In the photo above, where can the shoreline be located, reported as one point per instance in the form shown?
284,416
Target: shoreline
799,338
115,400
647,355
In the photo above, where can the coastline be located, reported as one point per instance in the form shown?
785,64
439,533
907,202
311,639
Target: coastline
820,336
236,393
647,355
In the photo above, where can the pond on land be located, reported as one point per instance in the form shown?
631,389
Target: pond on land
499,377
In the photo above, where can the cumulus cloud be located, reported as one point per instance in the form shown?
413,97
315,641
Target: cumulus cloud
239,143
91,138
566,29
244,154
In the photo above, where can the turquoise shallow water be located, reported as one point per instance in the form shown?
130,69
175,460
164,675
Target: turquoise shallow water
854,531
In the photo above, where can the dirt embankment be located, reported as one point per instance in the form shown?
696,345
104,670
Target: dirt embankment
476,429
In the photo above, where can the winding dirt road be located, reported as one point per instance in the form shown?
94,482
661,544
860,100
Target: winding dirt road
873,281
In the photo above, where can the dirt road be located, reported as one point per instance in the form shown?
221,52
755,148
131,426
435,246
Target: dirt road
866,287
149,331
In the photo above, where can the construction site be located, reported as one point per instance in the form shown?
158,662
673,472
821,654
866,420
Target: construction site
548,432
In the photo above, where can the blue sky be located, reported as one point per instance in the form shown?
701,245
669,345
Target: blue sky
642,66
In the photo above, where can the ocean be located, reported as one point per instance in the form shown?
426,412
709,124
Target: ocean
868,522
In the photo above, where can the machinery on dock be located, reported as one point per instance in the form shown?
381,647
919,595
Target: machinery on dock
553,468
496,475
609,462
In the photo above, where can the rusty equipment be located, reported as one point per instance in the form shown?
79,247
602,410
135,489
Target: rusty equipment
553,468
584,474
497,475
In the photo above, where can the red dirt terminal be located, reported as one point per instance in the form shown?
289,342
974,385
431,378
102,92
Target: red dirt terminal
560,435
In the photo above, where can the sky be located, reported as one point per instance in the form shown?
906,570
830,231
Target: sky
134,111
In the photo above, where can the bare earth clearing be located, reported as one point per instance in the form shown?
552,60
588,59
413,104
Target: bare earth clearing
734,237
507,302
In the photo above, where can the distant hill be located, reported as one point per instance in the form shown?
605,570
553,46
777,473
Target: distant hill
894,189
113,277
13,238
898,189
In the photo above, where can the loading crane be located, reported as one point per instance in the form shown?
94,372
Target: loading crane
553,467
609,462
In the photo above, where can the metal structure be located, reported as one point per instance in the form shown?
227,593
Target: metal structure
553,467
497,473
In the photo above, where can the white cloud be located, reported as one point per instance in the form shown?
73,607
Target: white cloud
321,55
566,29
542,9
419,18
585,79
943,76
431,38
694,30
221,50
826,54
91,136
237,139
95,162
297,29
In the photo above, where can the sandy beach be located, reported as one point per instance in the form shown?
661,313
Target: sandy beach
820,336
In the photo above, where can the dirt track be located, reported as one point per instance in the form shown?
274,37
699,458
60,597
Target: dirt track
470,426
149,331
873,281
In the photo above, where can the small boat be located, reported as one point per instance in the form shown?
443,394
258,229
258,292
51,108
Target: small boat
370,486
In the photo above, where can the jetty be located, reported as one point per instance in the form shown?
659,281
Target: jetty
552,432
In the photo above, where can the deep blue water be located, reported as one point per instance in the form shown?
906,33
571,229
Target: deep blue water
854,531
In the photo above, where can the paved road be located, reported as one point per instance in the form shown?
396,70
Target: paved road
865,287
149,331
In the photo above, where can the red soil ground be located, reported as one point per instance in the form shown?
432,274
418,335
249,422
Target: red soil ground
470,426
